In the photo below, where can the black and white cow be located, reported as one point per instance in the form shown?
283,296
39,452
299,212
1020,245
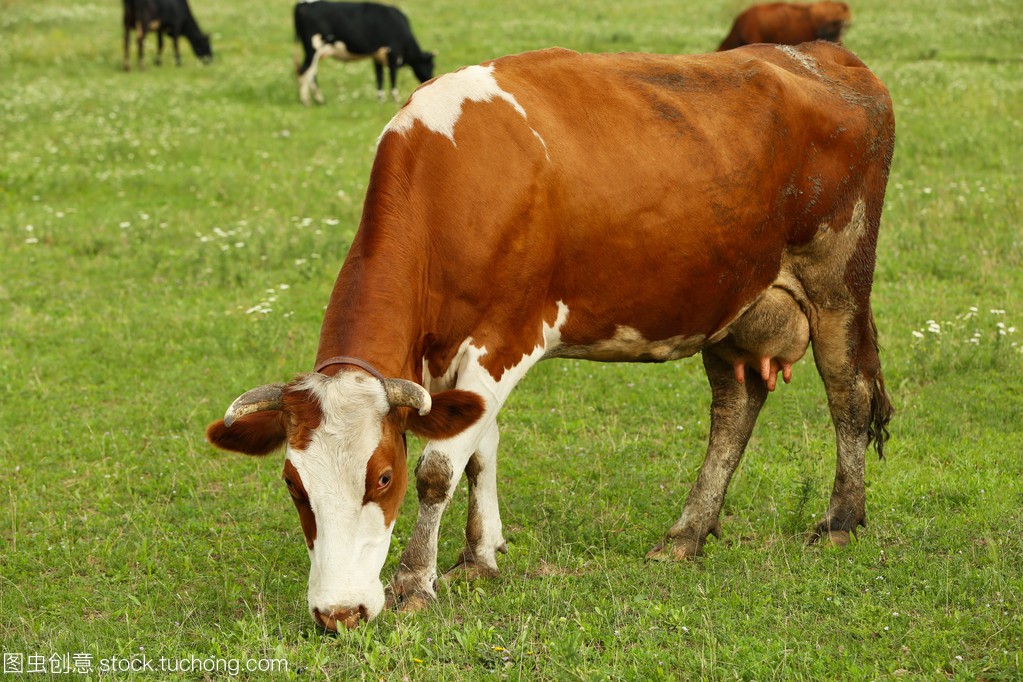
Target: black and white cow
349,31
171,17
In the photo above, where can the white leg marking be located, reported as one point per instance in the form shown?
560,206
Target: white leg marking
485,496
467,373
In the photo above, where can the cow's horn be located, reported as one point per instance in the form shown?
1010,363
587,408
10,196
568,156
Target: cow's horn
402,393
259,399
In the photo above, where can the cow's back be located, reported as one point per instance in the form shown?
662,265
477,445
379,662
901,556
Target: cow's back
607,180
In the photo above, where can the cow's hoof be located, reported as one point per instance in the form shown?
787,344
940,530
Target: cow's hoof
408,603
468,570
832,533
835,538
675,550
407,599
415,603
682,543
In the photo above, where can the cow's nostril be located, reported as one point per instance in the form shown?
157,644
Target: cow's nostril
324,621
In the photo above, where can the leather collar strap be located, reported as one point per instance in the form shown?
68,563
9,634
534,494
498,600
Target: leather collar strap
348,360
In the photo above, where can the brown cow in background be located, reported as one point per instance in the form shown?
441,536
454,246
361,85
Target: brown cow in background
789,24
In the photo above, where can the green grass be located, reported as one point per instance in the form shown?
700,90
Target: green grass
170,237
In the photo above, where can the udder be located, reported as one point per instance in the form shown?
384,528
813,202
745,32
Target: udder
770,337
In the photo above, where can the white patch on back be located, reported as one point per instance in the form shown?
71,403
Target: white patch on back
438,105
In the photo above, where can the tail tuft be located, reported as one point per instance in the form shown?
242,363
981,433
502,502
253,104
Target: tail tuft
881,409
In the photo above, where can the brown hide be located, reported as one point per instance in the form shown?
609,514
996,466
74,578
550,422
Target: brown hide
665,200
788,24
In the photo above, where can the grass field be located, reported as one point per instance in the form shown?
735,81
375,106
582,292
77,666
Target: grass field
170,237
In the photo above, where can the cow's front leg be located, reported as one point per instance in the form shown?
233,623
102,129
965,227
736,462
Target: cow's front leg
437,475
733,412
414,585
140,37
378,72
846,356
483,531
159,49
392,69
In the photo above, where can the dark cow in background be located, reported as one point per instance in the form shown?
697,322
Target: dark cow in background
627,207
349,31
789,24
171,17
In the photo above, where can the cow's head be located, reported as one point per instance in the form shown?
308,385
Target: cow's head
423,66
345,470
831,20
202,48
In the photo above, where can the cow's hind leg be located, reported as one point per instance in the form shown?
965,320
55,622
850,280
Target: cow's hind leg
483,531
127,48
733,413
845,350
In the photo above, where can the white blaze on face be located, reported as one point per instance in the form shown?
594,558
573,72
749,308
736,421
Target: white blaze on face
351,538
438,105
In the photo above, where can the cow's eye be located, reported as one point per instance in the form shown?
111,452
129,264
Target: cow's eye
384,480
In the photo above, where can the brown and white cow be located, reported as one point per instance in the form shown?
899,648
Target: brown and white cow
551,204
788,23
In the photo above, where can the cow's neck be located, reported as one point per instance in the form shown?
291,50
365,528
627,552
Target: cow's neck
376,309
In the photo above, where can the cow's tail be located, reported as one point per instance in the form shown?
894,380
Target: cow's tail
880,405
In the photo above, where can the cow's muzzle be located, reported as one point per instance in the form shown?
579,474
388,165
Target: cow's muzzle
349,618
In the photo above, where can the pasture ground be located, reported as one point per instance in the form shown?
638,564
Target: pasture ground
169,239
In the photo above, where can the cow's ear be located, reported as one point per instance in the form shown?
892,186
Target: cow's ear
259,433
452,412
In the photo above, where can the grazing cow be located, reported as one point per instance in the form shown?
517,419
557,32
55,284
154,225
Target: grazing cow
789,24
349,31
553,204
171,17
